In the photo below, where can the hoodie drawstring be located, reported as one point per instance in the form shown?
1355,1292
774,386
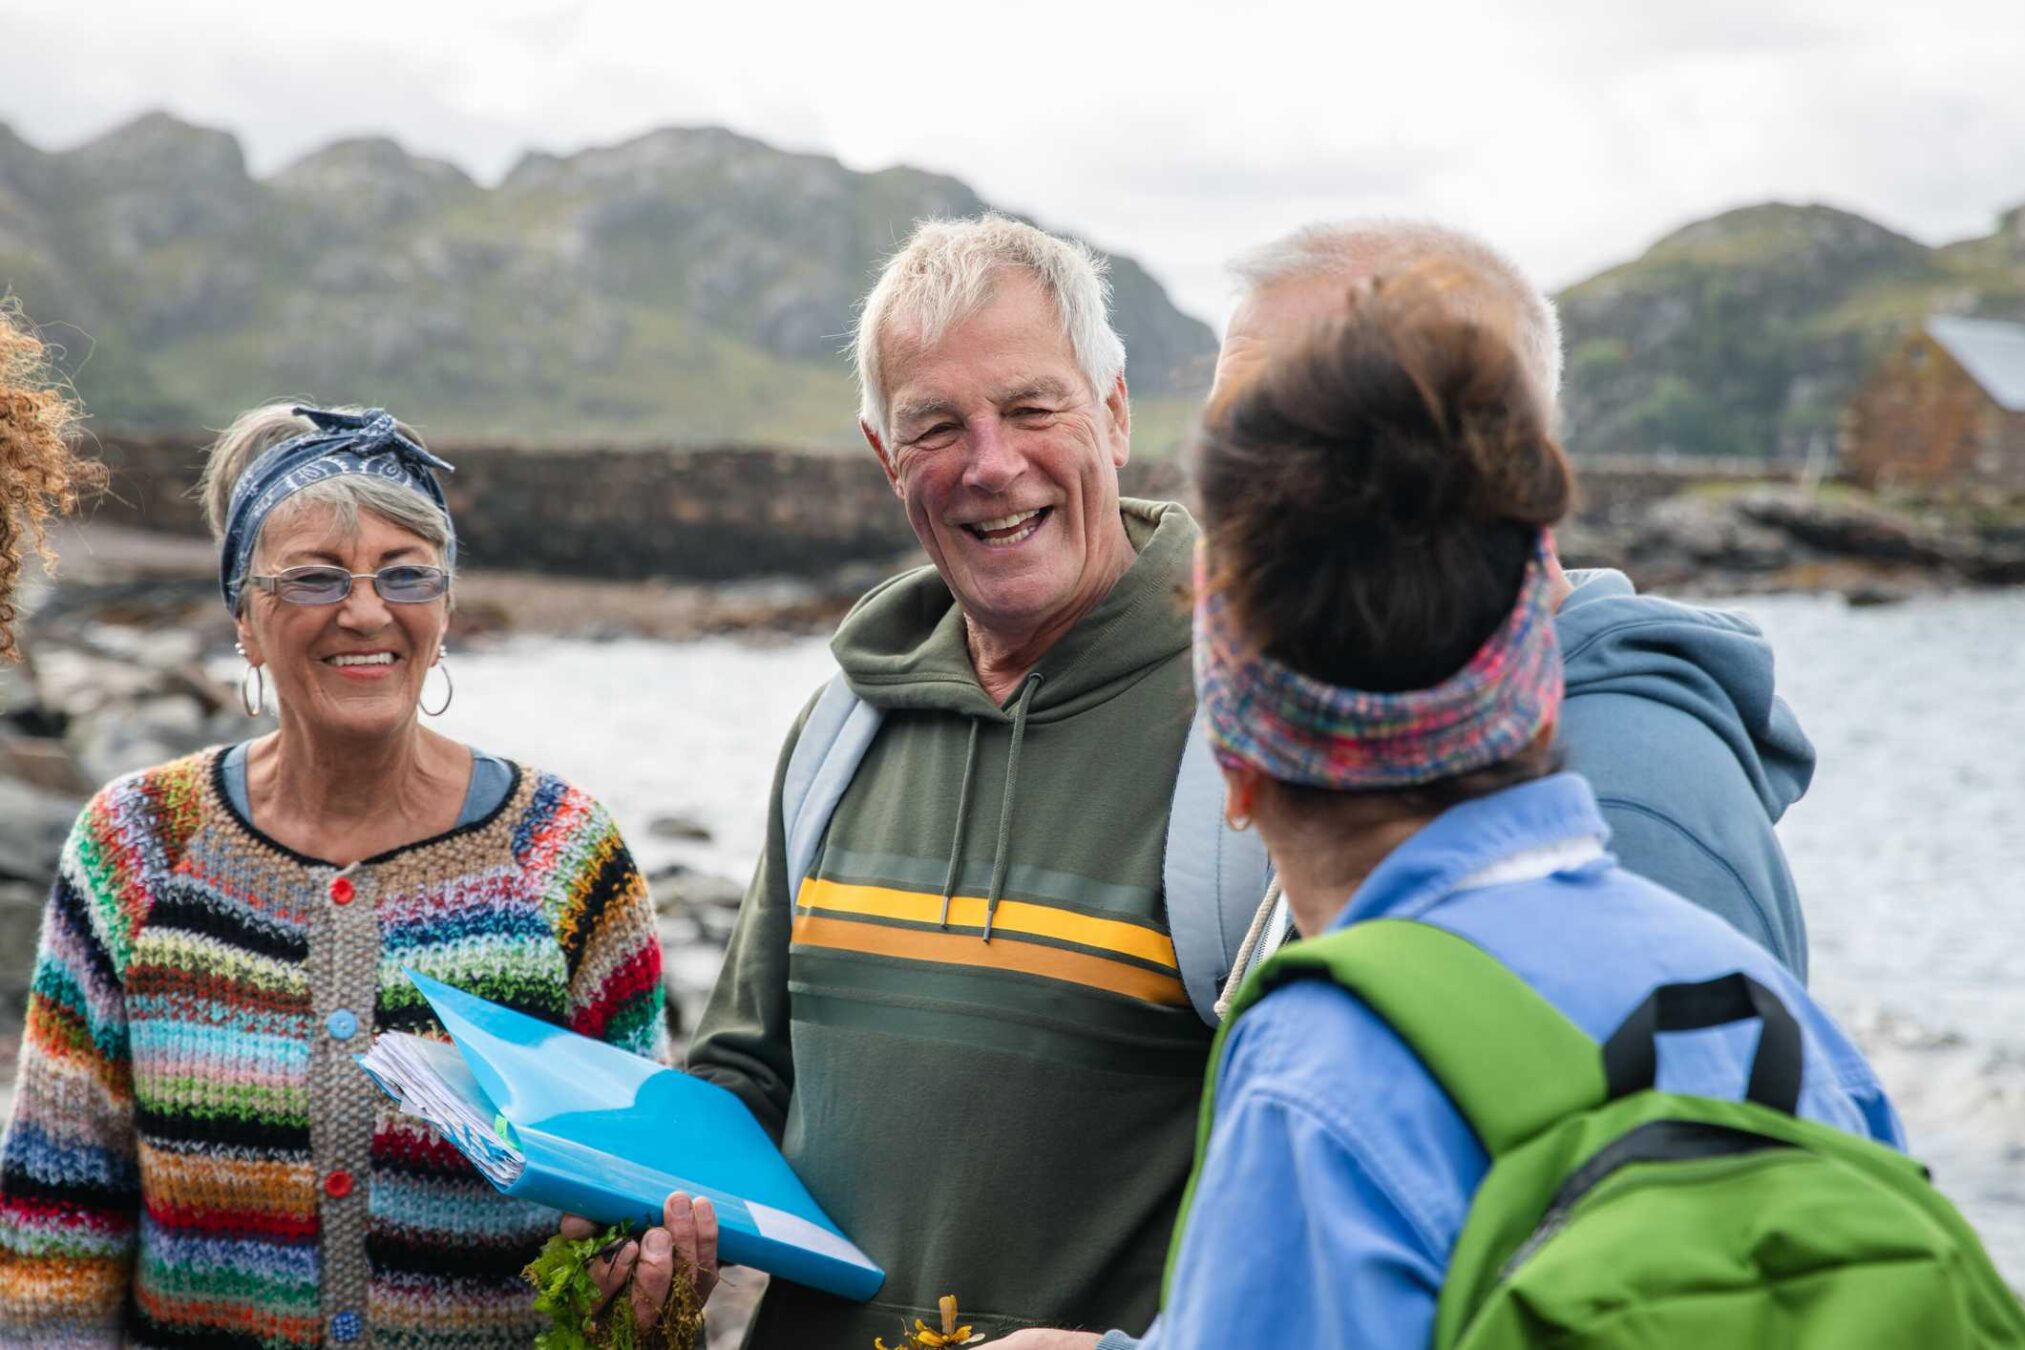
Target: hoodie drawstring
962,819
1012,778
1005,810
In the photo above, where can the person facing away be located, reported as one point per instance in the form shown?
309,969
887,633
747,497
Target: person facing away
1671,713
194,1157
1381,678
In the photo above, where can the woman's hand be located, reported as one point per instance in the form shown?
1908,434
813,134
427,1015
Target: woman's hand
686,1241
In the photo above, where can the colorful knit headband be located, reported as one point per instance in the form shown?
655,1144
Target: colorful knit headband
343,443
1302,730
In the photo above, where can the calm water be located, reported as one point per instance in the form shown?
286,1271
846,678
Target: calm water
1909,849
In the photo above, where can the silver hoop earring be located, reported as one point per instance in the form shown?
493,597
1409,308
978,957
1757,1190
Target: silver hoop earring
253,691
449,689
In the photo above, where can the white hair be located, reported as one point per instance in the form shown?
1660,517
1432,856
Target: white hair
949,269
1364,248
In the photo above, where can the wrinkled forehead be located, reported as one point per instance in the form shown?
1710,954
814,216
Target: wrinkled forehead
1012,342
313,531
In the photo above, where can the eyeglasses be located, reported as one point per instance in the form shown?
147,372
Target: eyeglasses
405,584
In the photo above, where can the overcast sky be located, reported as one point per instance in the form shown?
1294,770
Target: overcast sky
1176,132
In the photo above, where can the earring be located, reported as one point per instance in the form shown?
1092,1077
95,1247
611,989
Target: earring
253,691
449,689
1238,823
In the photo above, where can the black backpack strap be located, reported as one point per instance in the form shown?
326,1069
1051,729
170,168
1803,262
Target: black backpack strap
1631,1060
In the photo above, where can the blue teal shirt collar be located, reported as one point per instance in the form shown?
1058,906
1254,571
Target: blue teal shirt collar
1469,837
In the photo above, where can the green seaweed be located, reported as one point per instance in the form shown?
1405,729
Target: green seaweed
564,1289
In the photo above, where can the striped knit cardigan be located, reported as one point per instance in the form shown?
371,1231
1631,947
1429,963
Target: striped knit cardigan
196,1160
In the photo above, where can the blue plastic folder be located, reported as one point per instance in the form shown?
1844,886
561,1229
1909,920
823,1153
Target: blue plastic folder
608,1134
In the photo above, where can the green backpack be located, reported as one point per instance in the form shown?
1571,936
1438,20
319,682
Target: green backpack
1616,1215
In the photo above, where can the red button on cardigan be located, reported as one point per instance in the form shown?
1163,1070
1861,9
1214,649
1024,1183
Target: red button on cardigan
337,1185
342,890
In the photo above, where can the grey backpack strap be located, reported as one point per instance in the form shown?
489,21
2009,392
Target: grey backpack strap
839,729
1213,876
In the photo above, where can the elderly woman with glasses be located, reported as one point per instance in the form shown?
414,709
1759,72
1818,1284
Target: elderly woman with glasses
195,1159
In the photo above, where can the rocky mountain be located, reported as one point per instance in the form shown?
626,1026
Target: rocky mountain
691,285
1744,334
694,285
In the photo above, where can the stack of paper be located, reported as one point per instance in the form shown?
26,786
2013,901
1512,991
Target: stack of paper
565,1121
429,1079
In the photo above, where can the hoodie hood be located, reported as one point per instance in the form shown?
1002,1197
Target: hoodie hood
1709,663
903,647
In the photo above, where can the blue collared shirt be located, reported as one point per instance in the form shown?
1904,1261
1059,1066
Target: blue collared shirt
1339,1173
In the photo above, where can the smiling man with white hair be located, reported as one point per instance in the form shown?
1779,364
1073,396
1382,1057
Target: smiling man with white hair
963,989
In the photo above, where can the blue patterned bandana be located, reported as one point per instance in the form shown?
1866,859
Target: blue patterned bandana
364,442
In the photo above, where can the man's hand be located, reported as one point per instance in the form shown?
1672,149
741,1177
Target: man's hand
1047,1338
686,1240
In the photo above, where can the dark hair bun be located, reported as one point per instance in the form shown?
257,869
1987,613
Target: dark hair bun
1373,495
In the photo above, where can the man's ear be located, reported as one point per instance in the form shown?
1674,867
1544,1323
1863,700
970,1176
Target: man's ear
1559,588
885,460
1544,741
1118,407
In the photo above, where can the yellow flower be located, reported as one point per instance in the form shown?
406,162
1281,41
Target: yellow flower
923,1337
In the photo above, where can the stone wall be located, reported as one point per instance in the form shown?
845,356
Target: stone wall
694,514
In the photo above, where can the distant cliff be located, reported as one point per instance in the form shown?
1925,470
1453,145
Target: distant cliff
1744,334
690,285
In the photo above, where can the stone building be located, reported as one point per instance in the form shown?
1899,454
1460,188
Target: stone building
1946,409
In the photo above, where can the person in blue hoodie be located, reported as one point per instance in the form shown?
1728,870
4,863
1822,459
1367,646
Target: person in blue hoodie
1671,712
1380,678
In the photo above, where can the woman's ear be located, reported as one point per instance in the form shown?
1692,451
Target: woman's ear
1240,795
249,645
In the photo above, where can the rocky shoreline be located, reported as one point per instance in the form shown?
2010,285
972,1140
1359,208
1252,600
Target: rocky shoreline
1731,538
123,653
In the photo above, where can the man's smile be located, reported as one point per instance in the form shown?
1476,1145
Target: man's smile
1012,529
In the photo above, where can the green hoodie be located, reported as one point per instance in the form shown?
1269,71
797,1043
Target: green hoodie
1009,1118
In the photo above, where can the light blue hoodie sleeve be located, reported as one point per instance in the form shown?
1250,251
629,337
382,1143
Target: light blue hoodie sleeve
1299,1241
1672,717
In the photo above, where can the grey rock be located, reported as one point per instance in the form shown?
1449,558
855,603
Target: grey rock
1853,530
679,827
1711,531
116,739
702,892
76,682
33,826
21,907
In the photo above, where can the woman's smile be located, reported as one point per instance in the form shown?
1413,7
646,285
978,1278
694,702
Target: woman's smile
366,666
